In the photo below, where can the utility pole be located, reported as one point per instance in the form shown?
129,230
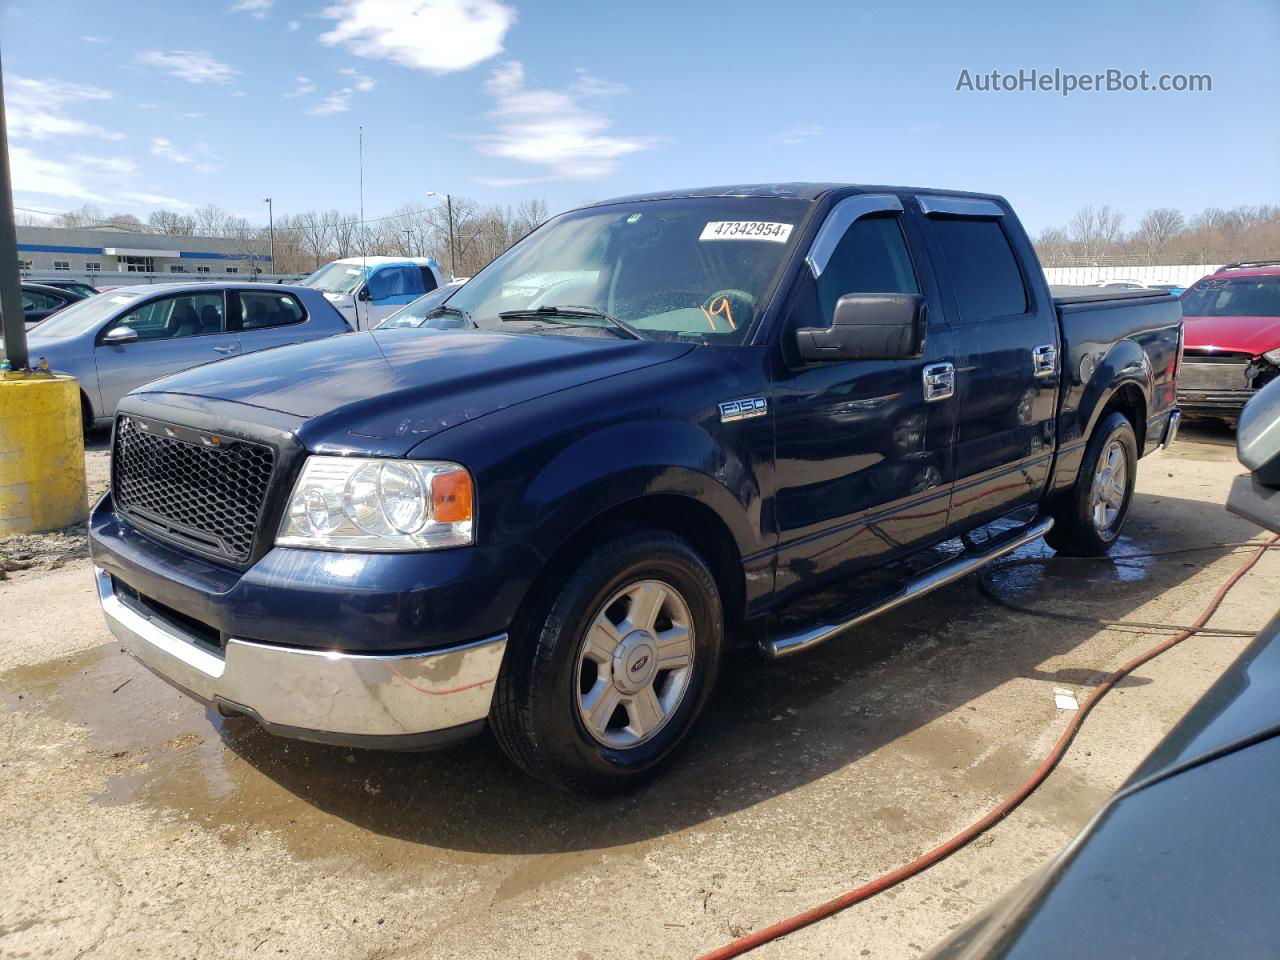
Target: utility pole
453,268
408,241
12,319
271,231
448,202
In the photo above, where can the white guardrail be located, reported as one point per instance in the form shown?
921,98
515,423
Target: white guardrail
1182,274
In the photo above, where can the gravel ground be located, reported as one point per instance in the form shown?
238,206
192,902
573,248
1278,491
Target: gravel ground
134,823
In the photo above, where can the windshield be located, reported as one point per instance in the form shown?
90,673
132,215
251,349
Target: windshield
673,269
415,314
83,314
1220,296
336,278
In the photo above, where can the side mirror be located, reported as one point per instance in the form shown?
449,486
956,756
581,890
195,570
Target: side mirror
119,335
1258,435
363,294
867,326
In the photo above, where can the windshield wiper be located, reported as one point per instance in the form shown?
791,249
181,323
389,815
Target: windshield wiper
569,312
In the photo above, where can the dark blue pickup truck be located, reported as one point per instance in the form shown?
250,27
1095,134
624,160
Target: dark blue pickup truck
645,431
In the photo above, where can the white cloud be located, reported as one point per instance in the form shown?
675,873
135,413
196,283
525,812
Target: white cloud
190,116
237,93
359,80
91,39
200,156
337,102
798,135
436,35
557,130
294,25
37,109
192,66
83,178
301,87
254,8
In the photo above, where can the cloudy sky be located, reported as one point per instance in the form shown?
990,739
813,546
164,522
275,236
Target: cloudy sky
178,104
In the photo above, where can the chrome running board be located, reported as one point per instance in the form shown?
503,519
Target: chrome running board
940,576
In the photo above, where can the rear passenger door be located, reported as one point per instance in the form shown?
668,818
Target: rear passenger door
1007,349
175,333
272,318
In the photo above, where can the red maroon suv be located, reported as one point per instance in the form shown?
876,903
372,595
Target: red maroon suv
1232,339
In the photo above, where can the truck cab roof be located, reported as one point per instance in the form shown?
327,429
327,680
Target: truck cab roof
796,191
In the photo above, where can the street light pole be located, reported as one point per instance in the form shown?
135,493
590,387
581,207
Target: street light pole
12,319
271,230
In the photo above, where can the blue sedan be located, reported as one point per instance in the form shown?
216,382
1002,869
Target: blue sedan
129,336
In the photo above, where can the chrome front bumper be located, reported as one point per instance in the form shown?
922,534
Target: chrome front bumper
404,701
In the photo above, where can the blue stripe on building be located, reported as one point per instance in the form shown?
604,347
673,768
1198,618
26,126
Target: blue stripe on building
54,248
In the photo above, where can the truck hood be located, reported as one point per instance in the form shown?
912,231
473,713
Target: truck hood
1252,335
384,392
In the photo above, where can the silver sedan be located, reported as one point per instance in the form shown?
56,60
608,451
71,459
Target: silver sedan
129,336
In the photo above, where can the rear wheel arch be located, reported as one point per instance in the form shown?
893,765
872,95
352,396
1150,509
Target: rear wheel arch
1129,399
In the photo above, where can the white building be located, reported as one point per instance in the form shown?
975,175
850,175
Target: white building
88,251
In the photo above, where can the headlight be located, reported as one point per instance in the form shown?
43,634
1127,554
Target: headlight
359,503
1273,356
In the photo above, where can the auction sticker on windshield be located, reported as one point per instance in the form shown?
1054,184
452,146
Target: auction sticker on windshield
746,230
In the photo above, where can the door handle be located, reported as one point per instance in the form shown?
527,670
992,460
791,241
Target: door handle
939,381
225,349
1044,360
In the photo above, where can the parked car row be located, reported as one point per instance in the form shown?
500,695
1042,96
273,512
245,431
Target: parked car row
119,340
39,302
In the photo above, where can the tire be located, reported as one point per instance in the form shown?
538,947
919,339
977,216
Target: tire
1082,527
553,680
86,414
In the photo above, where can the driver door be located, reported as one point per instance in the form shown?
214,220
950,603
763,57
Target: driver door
864,447
175,333
390,288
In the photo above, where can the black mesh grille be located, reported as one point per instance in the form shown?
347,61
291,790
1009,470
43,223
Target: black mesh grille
206,496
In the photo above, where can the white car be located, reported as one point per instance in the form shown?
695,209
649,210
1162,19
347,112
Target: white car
367,290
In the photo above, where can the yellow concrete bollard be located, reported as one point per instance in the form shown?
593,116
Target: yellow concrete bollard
42,483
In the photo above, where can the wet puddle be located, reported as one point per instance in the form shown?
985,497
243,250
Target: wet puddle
464,806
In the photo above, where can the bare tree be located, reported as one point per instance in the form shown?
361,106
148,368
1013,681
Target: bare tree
344,233
1096,230
1156,229
174,224
212,221
125,221
314,232
1053,244
531,214
85,216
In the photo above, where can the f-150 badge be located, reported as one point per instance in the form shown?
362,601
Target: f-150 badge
732,410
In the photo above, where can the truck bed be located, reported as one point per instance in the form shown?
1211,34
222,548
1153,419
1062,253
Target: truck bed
1067,294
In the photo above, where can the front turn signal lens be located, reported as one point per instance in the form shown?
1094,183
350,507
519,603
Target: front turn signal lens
451,500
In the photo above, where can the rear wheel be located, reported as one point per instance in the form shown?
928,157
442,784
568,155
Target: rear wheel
611,666
1091,517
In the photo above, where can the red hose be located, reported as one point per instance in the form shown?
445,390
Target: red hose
936,855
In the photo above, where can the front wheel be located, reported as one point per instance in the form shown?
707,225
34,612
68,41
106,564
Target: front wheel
610,668
1091,517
